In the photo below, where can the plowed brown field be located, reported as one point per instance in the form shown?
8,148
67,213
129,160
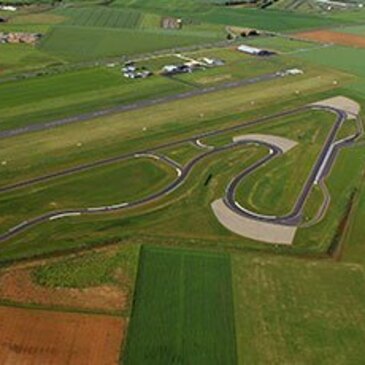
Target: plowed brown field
33,337
327,36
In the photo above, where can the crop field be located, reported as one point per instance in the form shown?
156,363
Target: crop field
101,280
183,309
32,336
80,43
102,17
293,311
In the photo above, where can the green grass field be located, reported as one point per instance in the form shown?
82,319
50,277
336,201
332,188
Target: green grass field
183,310
275,188
75,92
76,43
120,182
343,58
196,292
281,44
23,57
342,183
102,17
356,29
298,311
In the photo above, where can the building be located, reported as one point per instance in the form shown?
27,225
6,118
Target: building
7,8
254,51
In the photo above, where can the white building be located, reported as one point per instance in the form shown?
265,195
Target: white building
254,51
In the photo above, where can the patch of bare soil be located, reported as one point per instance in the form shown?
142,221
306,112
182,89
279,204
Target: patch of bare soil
17,285
328,36
37,337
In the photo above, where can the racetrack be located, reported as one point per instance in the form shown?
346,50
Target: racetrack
318,173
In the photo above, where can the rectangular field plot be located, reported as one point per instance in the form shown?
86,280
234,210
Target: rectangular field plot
297,311
30,337
183,311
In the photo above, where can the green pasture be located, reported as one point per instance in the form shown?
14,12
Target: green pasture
349,128
298,311
272,20
347,59
182,153
77,43
355,29
342,183
117,183
274,188
103,17
75,92
183,309
15,57
179,217
243,67
280,44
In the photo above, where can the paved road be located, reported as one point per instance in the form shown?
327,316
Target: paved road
325,159
137,105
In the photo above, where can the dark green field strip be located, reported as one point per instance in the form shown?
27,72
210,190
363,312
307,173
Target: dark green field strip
47,87
79,43
183,310
102,17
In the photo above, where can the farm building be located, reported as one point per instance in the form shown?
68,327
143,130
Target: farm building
254,51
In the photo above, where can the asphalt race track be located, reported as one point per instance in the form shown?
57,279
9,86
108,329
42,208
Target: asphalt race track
318,173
